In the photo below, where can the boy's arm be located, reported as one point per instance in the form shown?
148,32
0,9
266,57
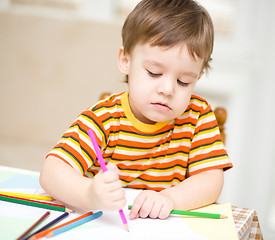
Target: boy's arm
63,183
196,191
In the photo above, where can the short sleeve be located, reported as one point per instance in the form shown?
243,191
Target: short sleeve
207,150
75,147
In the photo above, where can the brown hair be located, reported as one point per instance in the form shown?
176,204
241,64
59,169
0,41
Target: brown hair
170,22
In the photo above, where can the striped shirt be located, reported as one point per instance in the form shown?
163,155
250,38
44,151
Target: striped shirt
149,156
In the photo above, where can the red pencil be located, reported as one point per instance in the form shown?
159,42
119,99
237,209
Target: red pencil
34,203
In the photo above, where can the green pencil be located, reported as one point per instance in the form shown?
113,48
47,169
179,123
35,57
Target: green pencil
34,203
195,214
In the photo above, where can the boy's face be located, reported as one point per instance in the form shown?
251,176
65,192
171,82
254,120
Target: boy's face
161,80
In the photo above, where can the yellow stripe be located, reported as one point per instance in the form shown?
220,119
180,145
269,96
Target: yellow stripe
182,171
181,140
90,121
153,137
208,131
208,161
107,109
138,150
95,126
28,196
209,114
69,156
185,126
200,102
84,152
110,120
206,147
153,184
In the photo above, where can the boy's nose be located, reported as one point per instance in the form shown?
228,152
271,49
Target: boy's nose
166,87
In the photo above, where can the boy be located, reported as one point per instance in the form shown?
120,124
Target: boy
157,136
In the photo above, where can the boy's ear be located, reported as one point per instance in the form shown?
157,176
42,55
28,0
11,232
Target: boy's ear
123,61
201,74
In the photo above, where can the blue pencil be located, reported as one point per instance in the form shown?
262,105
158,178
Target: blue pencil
49,224
74,224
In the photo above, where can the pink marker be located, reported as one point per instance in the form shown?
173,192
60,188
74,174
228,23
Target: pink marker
104,169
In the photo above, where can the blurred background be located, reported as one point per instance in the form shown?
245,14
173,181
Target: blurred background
58,56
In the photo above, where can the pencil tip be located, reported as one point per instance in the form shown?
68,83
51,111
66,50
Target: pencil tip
126,227
67,210
50,234
223,217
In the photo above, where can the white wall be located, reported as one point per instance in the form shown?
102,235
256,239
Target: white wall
255,188
51,68
244,72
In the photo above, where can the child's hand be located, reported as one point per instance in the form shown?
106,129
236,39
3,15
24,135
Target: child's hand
106,191
152,204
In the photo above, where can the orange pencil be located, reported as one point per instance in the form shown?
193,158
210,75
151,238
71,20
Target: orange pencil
44,233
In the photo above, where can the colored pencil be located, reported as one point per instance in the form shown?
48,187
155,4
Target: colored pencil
74,224
58,219
195,214
198,214
28,196
45,232
45,215
34,203
104,169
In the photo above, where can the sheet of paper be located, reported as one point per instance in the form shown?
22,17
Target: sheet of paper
214,229
109,225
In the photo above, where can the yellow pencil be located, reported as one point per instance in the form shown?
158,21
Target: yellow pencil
28,196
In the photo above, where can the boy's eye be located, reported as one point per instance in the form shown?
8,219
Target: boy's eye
153,74
181,83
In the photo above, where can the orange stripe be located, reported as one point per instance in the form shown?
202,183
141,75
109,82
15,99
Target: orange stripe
145,187
222,166
153,179
207,141
155,165
75,153
132,152
213,154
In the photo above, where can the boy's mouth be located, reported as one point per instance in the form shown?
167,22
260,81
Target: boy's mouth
162,106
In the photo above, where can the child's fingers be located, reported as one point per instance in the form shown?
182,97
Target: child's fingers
152,204
116,199
156,209
137,205
115,186
110,176
113,167
117,205
109,189
118,195
134,213
164,212
146,208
